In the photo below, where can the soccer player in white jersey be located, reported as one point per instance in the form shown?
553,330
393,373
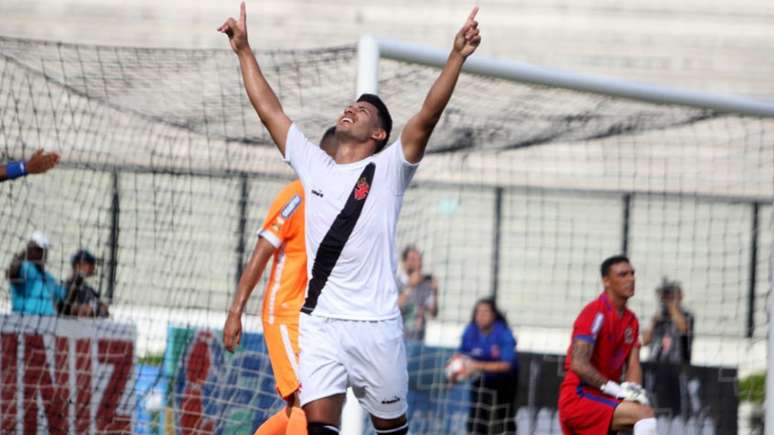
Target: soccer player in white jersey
351,333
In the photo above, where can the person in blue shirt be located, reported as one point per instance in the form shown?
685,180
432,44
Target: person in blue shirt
33,290
491,346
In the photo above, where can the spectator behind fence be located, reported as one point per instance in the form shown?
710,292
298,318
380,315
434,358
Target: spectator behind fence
82,300
33,290
489,342
670,341
418,296
670,336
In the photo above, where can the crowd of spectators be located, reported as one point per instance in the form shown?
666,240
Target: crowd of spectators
35,291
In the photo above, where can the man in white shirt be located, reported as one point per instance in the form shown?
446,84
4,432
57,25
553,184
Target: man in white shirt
351,333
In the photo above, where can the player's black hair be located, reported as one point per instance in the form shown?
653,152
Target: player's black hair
383,114
604,268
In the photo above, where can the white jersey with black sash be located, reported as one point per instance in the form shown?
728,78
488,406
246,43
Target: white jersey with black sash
351,218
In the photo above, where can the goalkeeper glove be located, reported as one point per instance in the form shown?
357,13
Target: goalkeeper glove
635,393
613,389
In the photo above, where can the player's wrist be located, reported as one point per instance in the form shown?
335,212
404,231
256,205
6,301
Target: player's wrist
235,311
457,56
16,169
244,51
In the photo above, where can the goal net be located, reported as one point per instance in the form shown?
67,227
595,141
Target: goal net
166,174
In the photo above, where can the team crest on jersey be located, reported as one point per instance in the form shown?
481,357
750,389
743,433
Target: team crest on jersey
628,335
361,189
291,206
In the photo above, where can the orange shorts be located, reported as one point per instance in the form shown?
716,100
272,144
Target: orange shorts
281,338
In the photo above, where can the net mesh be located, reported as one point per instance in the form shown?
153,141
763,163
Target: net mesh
167,172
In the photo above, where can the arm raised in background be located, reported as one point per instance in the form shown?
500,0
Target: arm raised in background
677,316
262,97
13,273
232,331
417,131
38,163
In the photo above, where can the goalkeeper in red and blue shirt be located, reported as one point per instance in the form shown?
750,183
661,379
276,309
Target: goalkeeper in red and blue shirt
605,350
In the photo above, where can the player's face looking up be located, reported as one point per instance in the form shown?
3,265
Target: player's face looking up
485,316
620,280
360,122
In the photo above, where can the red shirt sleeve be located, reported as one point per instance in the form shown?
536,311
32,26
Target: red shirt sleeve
588,324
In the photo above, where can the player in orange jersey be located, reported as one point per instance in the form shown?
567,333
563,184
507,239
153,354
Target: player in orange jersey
280,236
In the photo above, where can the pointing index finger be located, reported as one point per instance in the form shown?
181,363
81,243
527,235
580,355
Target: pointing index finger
242,14
473,13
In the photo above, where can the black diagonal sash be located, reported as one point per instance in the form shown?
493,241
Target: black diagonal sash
333,243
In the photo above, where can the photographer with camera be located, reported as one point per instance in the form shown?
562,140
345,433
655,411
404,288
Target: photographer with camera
670,341
670,336
82,299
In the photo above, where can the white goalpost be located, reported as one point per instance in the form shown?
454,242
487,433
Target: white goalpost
372,50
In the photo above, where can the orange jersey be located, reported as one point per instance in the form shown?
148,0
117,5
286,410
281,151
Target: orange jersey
284,228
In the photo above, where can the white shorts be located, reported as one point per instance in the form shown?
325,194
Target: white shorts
368,356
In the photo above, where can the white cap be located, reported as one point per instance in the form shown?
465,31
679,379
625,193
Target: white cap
39,238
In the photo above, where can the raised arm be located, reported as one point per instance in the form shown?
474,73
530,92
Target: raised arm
38,163
232,331
262,97
13,273
417,131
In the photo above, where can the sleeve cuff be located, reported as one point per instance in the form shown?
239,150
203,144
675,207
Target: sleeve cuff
270,237
586,338
289,141
399,145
